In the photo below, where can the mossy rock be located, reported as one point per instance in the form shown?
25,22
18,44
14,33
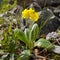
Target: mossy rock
43,43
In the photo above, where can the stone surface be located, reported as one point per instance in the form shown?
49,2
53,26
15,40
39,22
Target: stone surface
48,2
57,12
52,22
52,35
57,49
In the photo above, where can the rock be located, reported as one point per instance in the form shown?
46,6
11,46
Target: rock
51,23
48,2
51,26
41,2
24,3
52,35
57,12
36,6
57,49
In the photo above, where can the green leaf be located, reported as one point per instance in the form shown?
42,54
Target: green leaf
43,43
10,27
12,46
59,32
19,35
25,55
27,32
5,38
11,57
34,32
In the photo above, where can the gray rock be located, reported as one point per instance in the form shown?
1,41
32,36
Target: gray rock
42,3
51,23
57,49
57,12
52,35
48,2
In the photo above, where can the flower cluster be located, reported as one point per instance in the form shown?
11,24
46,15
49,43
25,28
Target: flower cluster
31,14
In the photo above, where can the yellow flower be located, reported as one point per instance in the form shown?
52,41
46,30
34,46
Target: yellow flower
31,14
25,13
34,16
31,11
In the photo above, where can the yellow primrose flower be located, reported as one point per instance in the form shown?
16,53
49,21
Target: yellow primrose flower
31,11
25,13
31,14
34,16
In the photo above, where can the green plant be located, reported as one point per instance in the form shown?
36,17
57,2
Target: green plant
28,36
25,55
59,32
5,6
43,43
12,37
